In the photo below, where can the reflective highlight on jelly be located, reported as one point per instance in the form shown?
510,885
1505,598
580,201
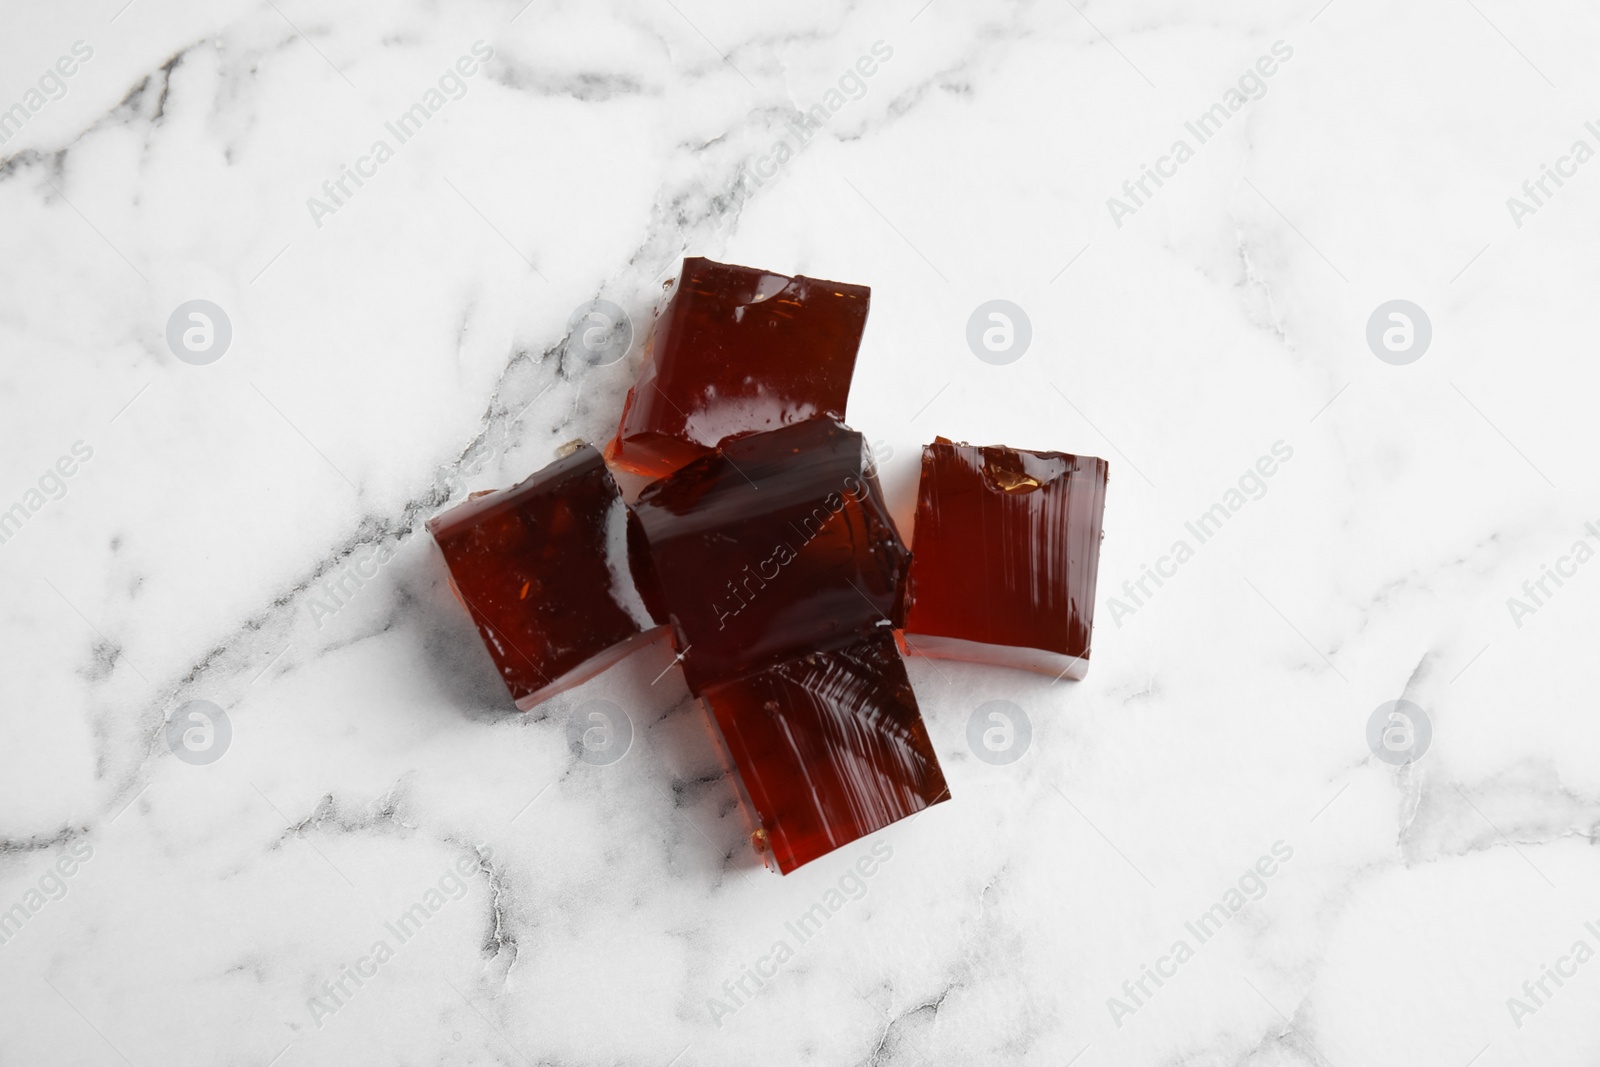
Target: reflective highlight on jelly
829,747
738,350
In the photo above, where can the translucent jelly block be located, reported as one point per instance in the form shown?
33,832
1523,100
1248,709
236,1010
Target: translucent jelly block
543,569
1007,548
735,351
829,747
777,545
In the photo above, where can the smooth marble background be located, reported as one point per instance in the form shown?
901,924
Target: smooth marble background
412,348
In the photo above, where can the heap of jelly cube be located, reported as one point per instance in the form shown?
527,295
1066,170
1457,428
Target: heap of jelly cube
764,547
783,576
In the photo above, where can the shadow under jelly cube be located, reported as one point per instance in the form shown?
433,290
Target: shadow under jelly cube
1006,550
543,568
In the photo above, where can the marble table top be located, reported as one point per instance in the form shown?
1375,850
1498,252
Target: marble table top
282,280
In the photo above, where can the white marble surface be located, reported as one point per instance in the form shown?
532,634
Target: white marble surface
409,349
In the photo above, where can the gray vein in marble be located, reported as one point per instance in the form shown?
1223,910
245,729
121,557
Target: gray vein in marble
16,847
584,86
131,106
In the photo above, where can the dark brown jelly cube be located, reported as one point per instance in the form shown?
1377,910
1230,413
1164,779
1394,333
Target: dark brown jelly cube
543,569
738,350
777,545
829,746
1007,547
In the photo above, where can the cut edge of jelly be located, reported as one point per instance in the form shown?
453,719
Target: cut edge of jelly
1038,660
651,455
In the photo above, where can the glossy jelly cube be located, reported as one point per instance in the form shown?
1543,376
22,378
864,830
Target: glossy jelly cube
738,350
543,569
776,545
1007,547
829,746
